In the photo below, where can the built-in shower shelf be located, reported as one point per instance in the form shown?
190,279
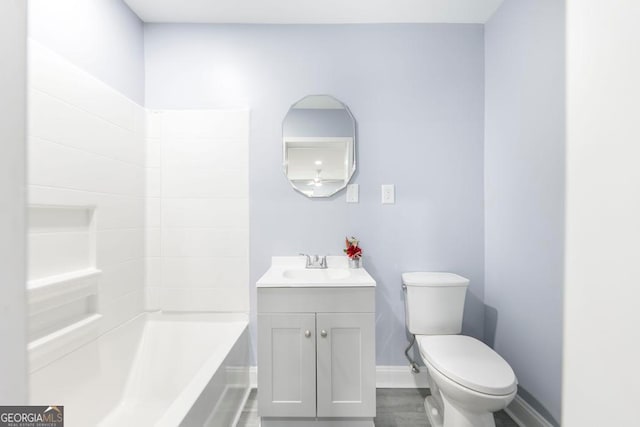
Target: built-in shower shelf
53,291
48,348
62,314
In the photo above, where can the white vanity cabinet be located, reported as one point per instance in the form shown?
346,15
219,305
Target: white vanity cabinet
287,364
345,365
316,355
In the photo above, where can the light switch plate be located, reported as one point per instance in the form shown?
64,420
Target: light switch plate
353,191
388,194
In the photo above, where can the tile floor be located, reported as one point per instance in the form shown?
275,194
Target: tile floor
398,407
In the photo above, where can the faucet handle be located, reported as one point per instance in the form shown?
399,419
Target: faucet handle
308,263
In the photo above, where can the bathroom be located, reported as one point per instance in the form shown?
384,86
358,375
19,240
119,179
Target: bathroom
476,111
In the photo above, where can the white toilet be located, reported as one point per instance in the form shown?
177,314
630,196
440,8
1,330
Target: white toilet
469,381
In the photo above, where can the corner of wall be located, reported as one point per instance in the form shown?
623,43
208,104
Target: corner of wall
13,328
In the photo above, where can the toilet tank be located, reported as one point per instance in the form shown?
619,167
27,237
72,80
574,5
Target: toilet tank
434,302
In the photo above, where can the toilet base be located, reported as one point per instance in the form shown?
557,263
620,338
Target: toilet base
433,413
455,417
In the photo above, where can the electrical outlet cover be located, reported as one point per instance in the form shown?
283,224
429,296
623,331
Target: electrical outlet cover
388,194
352,193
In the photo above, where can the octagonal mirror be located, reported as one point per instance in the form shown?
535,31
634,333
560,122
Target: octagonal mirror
318,142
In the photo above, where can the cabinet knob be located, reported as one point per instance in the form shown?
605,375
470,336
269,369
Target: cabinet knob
323,333
307,333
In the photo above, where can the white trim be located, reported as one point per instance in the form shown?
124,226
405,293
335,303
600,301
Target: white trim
55,291
45,350
236,419
253,377
524,415
326,12
400,377
386,377
316,422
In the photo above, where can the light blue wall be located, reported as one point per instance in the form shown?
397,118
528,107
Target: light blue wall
416,92
103,37
524,187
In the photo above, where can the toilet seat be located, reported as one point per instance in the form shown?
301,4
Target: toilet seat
468,362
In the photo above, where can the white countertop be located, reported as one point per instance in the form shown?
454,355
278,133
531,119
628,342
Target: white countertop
290,272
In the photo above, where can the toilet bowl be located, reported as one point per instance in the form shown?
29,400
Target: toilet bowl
468,380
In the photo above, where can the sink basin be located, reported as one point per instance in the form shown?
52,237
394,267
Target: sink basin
319,275
290,272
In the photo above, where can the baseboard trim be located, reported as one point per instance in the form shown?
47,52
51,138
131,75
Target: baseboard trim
400,377
524,415
386,377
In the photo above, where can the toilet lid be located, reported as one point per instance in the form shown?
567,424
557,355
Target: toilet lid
433,279
468,362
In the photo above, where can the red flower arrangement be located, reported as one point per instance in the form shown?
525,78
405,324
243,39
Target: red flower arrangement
353,251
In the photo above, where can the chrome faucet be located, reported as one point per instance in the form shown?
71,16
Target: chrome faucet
315,261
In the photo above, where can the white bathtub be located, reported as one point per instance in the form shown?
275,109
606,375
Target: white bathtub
155,370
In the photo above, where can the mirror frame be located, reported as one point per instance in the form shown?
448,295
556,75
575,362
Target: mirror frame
353,149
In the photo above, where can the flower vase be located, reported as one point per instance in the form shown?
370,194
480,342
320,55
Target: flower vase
354,262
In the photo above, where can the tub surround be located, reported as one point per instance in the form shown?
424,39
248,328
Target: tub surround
86,180
197,210
96,216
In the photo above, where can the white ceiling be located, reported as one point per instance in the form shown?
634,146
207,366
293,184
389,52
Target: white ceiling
314,11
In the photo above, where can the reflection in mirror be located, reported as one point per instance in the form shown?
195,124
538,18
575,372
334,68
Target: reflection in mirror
319,145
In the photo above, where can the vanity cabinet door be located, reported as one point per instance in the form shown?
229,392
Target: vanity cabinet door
287,365
346,364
